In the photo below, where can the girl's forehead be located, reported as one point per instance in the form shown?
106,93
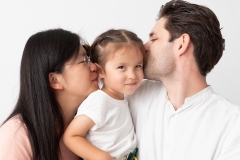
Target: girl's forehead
127,49
125,53
114,50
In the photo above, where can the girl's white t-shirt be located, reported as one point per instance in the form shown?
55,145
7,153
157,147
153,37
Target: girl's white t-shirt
113,131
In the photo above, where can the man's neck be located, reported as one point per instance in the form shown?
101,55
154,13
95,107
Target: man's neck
178,90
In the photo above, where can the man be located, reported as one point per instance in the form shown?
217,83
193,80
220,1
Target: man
179,116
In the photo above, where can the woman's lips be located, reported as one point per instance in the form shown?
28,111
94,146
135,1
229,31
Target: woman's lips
95,79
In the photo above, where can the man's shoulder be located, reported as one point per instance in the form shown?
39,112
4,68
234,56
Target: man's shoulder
148,89
224,104
221,107
151,82
150,85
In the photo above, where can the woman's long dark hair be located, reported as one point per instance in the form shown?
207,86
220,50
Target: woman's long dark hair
44,52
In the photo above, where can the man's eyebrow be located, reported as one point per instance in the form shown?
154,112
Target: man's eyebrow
151,34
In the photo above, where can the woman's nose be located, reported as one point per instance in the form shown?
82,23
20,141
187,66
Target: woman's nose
93,67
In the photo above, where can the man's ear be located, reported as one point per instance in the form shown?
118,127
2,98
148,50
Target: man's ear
183,43
100,71
55,80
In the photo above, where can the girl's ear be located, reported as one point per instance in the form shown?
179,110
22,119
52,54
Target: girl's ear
100,71
55,80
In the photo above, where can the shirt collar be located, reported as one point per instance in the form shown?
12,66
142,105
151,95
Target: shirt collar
190,101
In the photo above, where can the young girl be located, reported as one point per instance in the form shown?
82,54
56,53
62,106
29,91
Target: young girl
103,128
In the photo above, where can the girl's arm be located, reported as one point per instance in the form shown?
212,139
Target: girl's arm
74,139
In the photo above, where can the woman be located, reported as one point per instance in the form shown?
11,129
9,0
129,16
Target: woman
56,75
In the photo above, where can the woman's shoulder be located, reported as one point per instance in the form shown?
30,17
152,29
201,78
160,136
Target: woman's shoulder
14,140
12,126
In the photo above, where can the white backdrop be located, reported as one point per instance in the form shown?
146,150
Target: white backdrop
20,19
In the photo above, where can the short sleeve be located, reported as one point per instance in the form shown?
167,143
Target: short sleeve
94,107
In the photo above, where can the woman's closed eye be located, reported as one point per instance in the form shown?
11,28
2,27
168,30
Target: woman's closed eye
85,60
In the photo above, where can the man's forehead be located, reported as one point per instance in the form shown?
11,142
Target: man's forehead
155,30
158,27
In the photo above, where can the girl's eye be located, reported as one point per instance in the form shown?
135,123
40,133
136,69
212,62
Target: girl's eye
139,66
121,67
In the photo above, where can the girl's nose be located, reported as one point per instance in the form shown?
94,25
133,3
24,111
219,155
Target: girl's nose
146,45
132,75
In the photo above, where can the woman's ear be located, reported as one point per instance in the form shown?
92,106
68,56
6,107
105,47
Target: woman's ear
55,80
100,71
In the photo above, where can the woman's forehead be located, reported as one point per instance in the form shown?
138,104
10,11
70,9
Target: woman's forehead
82,51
